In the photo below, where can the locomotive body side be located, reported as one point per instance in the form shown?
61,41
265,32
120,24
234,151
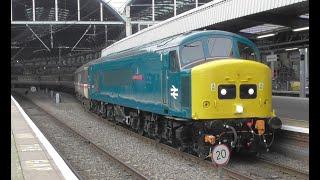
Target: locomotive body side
141,82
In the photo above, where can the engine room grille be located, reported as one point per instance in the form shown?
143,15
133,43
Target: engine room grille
185,91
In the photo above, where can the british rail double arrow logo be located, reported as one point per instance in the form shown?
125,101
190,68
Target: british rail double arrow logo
174,92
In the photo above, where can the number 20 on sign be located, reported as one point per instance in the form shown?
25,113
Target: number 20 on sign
220,155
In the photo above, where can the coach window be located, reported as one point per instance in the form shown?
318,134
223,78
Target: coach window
246,52
219,47
174,61
192,53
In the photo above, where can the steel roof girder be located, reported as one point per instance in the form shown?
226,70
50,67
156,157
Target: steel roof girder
68,22
38,38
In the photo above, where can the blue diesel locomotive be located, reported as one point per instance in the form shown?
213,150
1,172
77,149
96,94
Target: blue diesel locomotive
191,90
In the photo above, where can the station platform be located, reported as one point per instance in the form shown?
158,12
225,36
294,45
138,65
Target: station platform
32,156
293,112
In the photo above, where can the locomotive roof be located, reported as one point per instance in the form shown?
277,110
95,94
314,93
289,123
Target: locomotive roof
166,43
86,65
182,38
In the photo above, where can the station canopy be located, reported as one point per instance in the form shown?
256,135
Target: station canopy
39,30
67,27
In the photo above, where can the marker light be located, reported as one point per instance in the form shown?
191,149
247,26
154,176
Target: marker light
301,29
266,35
223,91
251,91
261,84
239,109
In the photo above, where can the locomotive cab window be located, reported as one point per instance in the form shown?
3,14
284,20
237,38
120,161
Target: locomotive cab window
191,53
174,61
219,47
246,52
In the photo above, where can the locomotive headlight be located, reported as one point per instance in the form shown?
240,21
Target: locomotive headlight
251,91
239,109
223,92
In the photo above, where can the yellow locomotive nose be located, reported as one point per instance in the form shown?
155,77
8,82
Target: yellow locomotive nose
231,88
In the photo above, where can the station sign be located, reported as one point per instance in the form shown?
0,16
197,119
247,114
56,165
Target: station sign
272,58
220,155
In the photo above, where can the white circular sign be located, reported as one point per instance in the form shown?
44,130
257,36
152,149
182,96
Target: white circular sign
220,154
33,89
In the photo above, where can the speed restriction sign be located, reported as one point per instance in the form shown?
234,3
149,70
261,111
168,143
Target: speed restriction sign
220,154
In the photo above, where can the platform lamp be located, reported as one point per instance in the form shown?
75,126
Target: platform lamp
301,29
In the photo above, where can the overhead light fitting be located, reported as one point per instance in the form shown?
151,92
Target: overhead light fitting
266,35
290,49
301,29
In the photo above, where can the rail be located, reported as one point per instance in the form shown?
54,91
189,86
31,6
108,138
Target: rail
284,168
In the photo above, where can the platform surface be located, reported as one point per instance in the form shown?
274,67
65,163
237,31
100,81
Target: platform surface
29,156
293,112
291,108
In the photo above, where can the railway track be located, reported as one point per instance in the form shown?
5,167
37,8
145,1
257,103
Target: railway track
131,170
284,168
128,168
229,171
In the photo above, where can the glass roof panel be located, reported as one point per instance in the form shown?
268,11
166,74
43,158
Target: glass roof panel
262,28
117,4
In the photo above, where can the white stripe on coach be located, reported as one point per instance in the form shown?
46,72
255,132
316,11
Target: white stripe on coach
295,129
63,167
